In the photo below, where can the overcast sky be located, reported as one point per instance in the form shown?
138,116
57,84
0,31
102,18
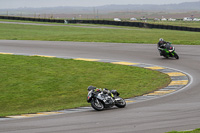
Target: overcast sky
4,4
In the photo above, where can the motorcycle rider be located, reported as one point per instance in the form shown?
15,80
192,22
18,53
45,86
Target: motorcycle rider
161,45
105,90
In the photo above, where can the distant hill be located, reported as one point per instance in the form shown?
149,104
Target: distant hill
182,7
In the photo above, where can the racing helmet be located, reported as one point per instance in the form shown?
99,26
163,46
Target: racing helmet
91,88
161,39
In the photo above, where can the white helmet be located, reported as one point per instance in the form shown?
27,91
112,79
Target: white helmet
161,39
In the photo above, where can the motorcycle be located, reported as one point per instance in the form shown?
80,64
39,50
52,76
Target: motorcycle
104,99
168,50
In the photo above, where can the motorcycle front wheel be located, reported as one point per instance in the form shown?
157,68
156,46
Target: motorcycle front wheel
97,105
176,56
120,103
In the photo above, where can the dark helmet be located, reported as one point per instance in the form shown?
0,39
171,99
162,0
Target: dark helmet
114,92
91,88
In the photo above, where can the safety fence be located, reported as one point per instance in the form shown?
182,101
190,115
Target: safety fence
32,19
106,22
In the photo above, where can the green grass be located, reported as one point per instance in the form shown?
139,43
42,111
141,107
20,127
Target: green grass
193,24
84,34
194,131
30,84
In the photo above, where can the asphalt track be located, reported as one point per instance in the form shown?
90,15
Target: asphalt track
178,111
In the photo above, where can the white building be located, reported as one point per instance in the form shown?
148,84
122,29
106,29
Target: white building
117,19
187,19
133,19
171,19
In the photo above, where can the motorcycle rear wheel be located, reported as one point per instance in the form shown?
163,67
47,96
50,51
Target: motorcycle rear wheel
97,105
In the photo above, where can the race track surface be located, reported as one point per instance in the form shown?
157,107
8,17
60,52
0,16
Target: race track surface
179,111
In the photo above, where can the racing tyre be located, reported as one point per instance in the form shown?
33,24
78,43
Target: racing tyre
120,103
176,56
97,105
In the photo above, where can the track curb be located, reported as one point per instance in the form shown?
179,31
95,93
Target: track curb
179,81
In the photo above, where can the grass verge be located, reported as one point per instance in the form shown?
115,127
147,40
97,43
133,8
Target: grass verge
194,131
30,84
192,24
84,34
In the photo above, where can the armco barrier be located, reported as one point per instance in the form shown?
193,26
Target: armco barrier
32,19
178,28
107,22
198,29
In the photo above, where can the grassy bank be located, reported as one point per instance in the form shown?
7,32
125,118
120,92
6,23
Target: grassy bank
194,24
84,34
193,131
31,84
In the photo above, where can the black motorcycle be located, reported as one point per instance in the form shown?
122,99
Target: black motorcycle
101,99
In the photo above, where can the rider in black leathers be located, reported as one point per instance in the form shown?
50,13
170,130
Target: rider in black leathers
161,45
105,90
